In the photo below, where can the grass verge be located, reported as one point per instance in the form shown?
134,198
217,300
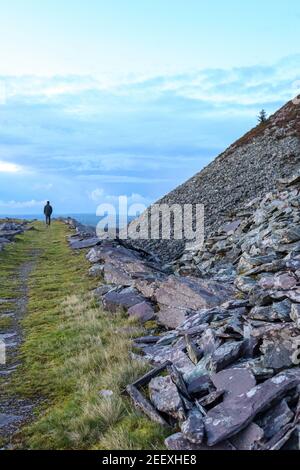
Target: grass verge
72,351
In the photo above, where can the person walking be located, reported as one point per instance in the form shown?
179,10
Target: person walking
48,212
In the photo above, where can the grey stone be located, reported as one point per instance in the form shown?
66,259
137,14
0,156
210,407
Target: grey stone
165,397
181,294
227,419
275,419
179,442
142,312
248,438
193,427
277,311
284,281
295,314
225,355
85,243
200,385
121,299
234,382
279,349
96,270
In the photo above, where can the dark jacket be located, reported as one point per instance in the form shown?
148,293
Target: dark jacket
48,210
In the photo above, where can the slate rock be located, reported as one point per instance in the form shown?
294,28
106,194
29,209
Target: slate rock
85,243
275,419
121,299
96,270
200,385
193,427
179,442
277,311
165,397
233,382
248,438
284,281
295,314
142,312
279,349
7,419
227,419
181,294
244,284
225,355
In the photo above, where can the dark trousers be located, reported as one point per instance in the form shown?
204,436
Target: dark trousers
48,219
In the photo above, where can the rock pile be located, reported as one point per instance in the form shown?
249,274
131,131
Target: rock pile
134,281
9,230
233,369
231,360
247,169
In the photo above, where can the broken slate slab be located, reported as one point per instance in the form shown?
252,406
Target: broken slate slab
86,243
275,419
184,293
295,314
200,386
277,311
233,382
279,349
143,312
225,355
248,437
121,299
165,397
227,419
179,442
193,427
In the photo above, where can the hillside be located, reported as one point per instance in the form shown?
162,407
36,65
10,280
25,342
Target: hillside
247,169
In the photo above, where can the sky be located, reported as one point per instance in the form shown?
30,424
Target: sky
127,97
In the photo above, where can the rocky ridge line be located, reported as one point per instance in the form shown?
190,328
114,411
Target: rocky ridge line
247,169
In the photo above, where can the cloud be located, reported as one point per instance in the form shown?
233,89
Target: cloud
21,204
96,195
80,134
7,167
99,196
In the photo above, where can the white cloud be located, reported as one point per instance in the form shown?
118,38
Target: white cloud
21,204
6,167
98,195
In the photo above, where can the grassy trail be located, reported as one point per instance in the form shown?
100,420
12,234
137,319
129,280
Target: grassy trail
71,351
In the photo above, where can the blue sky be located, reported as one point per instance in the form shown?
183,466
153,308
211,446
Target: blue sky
126,97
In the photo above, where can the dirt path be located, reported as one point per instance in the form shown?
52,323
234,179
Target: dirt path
15,411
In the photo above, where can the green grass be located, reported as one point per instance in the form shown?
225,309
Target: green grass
72,351
5,323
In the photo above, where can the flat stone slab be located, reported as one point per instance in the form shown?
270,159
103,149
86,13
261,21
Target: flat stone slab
248,438
121,299
85,243
165,397
143,312
275,419
176,295
234,382
231,417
